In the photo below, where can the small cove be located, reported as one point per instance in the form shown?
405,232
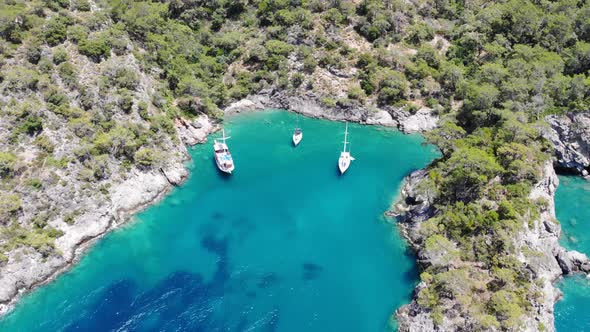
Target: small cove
284,244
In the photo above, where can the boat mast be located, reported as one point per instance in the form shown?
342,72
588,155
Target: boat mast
224,138
345,136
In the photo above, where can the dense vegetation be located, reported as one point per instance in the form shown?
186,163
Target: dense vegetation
491,69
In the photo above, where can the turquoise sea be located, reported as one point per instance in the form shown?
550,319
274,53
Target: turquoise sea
572,207
283,244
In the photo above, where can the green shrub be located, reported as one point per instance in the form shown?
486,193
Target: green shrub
126,101
68,74
34,183
55,31
33,50
7,164
9,204
70,218
53,232
356,93
142,108
21,79
81,5
77,32
45,65
278,47
32,125
96,48
145,157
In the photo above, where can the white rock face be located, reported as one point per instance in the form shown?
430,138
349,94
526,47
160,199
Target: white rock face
139,189
570,135
241,105
175,175
422,121
382,118
195,131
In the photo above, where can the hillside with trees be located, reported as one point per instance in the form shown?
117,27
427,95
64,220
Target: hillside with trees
91,92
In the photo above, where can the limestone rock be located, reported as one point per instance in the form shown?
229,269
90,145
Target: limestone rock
570,135
310,104
195,131
382,118
175,175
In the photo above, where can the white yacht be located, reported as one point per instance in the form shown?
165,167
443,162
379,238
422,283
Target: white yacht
223,158
345,157
297,134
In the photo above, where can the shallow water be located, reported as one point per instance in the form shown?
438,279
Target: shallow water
284,244
572,207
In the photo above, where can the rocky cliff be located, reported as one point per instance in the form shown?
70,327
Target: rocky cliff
538,247
570,135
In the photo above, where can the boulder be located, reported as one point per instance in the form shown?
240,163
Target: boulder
570,135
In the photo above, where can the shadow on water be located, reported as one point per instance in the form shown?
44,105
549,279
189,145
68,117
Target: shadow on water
123,306
311,271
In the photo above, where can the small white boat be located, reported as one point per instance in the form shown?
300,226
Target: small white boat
223,158
345,157
297,136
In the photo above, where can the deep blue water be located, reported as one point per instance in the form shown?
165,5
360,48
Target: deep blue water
284,244
572,207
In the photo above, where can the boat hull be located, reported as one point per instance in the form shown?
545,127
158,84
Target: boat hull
344,162
297,139
224,167
223,158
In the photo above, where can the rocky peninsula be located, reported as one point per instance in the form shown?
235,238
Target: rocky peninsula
549,261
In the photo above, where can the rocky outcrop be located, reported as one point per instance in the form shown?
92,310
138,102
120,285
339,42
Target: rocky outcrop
194,131
413,208
539,250
570,135
309,104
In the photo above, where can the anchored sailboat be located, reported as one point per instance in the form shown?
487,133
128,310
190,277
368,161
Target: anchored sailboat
297,134
223,158
345,157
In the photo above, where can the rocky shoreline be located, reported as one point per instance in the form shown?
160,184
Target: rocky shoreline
141,189
572,155
309,104
138,191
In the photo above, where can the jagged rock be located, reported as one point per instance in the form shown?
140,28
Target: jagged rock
570,135
176,175
421,121
413,318
573,261
565,263
309,104
195,131
382,118
241,105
